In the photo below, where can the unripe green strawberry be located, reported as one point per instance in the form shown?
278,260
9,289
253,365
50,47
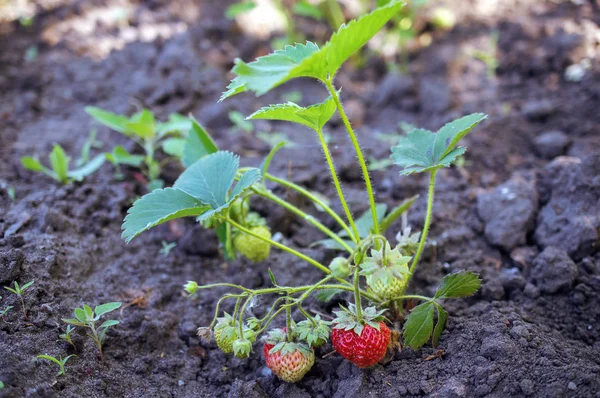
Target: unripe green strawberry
225,336
386,270
251,247
238,209
242,348
339,267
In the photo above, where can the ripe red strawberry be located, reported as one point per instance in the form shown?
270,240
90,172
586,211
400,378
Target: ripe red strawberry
289,361
364,344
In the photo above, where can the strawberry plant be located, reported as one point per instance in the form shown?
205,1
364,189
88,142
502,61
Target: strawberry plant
59,161
150,135
214,189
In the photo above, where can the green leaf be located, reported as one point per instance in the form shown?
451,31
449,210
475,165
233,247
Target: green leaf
239,8
423,150
326,295
285,112
105,308
397,212
210,178
74,321
89,313
60,163
364,223
351,37
157,207
174,146
80,315
198,144
142,124
418,326
87,169
119,155
25,286
177,124
440,325
108,324
307,60
50,358
31,163
109,119
458,285
305,9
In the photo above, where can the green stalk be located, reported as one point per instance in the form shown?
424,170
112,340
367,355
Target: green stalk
288,323
310,219
359,154
280,246
426,226
313,198
335,15
357,302
241,322
337,184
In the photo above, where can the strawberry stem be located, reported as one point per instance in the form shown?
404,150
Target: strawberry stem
288,322
425,226
337,184
359,316
359,154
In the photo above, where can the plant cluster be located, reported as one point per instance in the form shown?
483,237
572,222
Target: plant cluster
215,190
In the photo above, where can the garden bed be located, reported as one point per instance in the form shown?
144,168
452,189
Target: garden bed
523,210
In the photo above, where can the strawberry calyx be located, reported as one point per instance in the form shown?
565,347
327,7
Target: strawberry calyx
314,332
408,242
347,318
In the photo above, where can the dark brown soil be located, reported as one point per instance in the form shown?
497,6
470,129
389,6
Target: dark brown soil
523,211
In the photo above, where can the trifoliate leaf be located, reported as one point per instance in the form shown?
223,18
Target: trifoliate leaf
423,150
314,116
88,168
458,285
418,326
210,180
307,60
157,207
440,325
198,144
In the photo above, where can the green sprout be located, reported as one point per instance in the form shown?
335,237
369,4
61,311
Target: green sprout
86,317
59,162
5,310
215,190
66,336
19,290
60,362
167,247
150,135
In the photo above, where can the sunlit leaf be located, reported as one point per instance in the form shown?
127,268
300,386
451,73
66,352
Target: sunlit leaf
109,119
60,163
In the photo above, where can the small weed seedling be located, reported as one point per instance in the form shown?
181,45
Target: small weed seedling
215,189
19,290
5,310
86,317
166,247
60,166
60,362
66,336
149,135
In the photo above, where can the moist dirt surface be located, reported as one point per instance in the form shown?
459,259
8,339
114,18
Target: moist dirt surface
523,210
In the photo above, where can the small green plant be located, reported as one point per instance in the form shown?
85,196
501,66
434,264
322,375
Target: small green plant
66,336
86,317
166,247
59,162
60,362
150,135
214,190
19,290
5,310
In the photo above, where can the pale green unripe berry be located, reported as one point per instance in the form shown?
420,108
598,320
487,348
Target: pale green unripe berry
339,267
242,348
